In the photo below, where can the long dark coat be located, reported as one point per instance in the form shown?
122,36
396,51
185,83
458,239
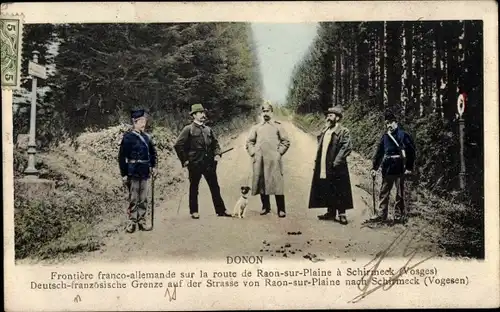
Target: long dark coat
335,190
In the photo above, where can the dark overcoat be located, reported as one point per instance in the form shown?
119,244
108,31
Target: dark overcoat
334,191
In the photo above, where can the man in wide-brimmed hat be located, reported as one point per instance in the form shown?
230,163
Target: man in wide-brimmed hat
198,150
137,159
266,144
331,185
396,154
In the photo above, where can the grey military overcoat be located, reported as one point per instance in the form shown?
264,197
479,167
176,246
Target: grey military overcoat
266,144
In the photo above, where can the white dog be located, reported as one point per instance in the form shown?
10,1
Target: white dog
241,204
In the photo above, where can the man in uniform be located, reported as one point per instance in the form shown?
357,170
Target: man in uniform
137,159
396,152
331,185
198,150
266,144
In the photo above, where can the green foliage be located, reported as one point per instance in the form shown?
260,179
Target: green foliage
414,69
461,236
40,222
105,70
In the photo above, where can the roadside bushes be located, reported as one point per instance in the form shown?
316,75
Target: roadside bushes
40,222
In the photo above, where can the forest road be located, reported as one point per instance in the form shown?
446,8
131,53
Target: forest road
178,237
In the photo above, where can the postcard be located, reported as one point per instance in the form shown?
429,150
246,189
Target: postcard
250,155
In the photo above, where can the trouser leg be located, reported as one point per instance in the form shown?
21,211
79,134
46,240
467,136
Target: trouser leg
194,184
332,209
213,184
400,206
142,202
341,211
134,199
266,204
280,202
385,192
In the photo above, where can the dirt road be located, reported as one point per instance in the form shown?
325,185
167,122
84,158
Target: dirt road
176,235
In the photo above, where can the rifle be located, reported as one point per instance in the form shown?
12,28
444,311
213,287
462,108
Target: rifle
228,150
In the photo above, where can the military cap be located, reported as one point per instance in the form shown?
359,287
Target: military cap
389,116
138,113
267,104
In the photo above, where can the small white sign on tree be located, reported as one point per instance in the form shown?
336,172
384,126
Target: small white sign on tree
461,104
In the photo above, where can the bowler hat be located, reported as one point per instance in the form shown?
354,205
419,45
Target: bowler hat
196,108
337,110
138,113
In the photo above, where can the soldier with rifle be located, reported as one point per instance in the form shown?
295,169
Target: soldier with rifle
137,160
198,149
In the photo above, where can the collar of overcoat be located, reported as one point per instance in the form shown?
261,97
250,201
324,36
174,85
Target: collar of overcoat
199,124
336,131
263,122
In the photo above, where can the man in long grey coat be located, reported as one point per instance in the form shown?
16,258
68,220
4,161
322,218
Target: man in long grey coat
266,144
331,185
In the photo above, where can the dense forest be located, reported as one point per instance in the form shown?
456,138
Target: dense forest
416,70
104,70
97,73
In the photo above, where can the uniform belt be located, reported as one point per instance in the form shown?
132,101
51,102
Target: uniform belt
133,161
393,156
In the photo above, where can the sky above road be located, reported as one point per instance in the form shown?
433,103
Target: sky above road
279,48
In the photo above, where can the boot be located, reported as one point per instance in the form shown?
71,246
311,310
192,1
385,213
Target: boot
130,227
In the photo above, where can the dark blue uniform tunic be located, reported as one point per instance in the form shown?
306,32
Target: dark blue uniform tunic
387,147
133,148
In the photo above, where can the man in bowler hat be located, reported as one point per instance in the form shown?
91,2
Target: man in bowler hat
198,149
137,159
331,185
396,153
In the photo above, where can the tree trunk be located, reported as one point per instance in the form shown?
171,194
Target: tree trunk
439,80
373,65
381,89
363,67
412,110
327,79
345,78
338,80
409,65
452,70
393,66
427,43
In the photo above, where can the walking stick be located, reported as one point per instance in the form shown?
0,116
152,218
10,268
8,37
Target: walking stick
373,196
152,201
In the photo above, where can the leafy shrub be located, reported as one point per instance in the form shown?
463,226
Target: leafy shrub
39,222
